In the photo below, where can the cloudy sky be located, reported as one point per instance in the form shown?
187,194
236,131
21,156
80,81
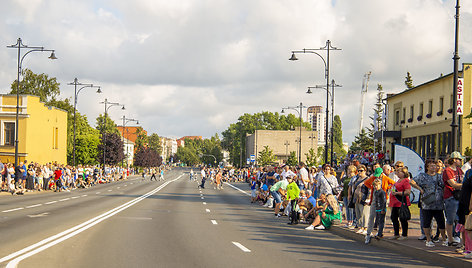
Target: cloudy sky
192,67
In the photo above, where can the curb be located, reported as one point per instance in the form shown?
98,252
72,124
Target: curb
417,253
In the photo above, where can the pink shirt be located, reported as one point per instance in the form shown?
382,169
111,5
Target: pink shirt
400,186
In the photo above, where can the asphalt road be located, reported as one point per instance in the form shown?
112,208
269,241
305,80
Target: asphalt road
138,223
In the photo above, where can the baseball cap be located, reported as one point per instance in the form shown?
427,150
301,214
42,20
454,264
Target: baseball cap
378,172
456,155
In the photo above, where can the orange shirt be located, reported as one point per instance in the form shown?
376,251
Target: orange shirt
386,184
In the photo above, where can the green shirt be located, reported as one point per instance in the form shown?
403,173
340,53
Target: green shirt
293,191
282,184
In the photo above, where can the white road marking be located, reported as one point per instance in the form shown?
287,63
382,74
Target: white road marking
131,183
203,197
97,192
33,206
52,202
39,215
109,190
118,187
56,239
83,195
74,197
65,199
241,247
207,210
15,209
214,222
204,203
125,185
238,189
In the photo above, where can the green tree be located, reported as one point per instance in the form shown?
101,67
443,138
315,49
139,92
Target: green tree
377,119
292,159
362,142
155,143
311,158
266,157
409,81
47,88
107,125
338,145
141,139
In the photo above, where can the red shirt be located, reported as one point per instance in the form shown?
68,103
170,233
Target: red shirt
57,174
450,174
400,186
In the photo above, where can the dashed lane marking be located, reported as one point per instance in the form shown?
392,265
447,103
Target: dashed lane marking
207,210
214,222
52,202
241,247
204,203
14,209
33,206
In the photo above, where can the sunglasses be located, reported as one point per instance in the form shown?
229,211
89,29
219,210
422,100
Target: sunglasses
361,170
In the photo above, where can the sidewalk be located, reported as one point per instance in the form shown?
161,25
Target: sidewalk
413,247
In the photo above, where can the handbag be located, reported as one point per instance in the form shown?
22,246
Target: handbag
335,191
456,194
404,214
468,222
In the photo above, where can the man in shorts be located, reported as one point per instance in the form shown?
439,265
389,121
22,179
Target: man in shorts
276,190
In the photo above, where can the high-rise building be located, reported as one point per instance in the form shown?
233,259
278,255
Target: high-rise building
317,118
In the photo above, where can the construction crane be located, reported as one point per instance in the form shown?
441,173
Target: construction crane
365,84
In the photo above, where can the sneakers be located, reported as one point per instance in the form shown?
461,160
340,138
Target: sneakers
456,239
360,231
403,238
429,244
278,215
422,238
311,227
468,256
367,239
395,237
449,244
320,227
364,232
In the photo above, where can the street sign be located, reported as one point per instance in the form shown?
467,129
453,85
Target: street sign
253,158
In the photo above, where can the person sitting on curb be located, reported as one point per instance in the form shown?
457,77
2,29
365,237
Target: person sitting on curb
276,191
325,218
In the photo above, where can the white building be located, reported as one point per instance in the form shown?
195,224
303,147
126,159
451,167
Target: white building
128,150
317,118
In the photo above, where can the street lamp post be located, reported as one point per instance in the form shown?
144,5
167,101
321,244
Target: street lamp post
286,148
125,121
454,143
327,47
19,45
300,117
108,105
333,85
76,93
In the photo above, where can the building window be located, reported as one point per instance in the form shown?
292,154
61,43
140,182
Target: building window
441,104
55,138
397,117
404,115
430,107
421,109
9,133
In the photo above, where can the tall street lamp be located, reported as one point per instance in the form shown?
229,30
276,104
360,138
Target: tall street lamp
333,85
300,107
209,155
454,143
76,93
327,47
19,45
108,105
125,121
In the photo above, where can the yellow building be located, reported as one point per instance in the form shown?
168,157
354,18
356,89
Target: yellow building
42,131
420,118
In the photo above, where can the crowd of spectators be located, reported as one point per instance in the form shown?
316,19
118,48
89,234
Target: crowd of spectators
29,177
358,192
